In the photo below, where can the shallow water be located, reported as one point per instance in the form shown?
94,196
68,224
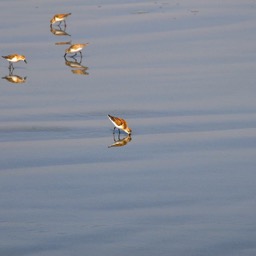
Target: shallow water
182,74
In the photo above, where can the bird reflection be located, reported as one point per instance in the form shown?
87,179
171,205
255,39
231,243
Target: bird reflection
120,142
63,43
59,31
15,79
79,69
74,63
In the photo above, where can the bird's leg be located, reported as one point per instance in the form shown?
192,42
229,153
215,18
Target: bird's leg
114,130
73,58
65,55
11,68
65,23
114,138
10,72
80,54
119,132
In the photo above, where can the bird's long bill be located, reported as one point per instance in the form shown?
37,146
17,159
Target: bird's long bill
25,61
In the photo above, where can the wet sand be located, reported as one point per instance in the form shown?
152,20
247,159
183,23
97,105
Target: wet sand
183,75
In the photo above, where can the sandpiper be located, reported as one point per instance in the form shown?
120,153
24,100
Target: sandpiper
59,18
75,48
14,58
120,124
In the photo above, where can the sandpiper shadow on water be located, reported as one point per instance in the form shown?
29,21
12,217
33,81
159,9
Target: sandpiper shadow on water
63,43
15,79
76,65
80,71
59,31
120,142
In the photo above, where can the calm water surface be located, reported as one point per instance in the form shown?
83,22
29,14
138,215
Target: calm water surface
182,73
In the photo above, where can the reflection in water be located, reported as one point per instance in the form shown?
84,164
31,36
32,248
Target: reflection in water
74,63
120,142
80,71
59,31
15,78
63,43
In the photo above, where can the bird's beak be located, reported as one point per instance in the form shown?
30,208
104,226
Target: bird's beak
25,61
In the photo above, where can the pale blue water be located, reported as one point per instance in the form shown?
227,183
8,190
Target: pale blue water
183,75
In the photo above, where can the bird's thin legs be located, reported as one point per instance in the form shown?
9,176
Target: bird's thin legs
11,68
